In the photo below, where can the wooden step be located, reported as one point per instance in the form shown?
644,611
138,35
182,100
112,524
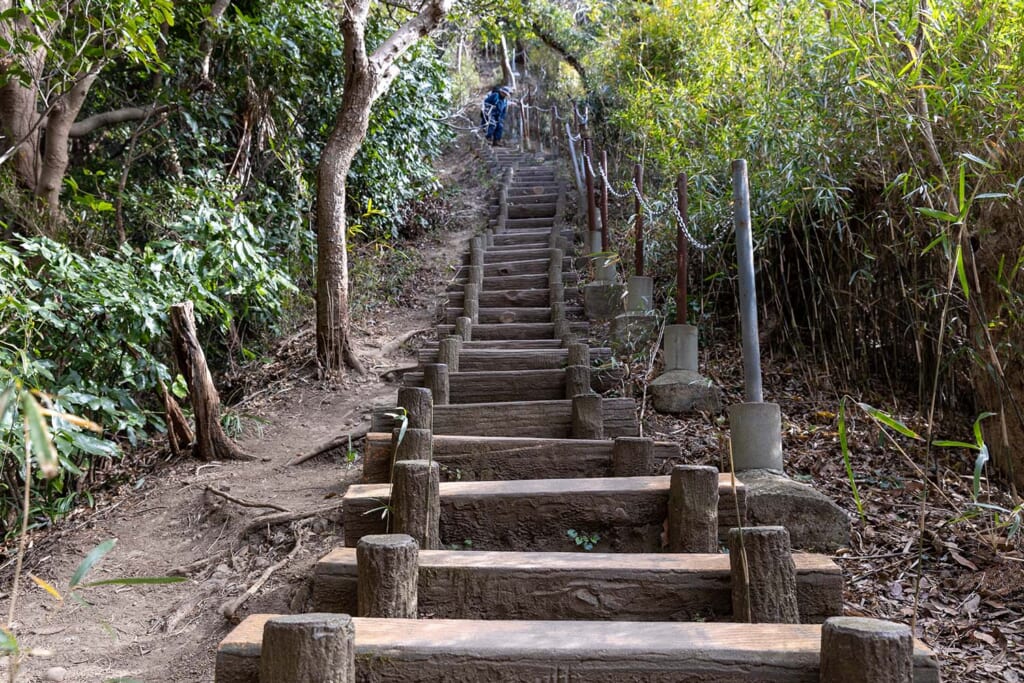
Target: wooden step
534,189
507,282
478,360
510,314
514,267
506,255
469,650
503,345
496,458
519,238
456,584
500,298
491,386
628,513
532,197
491,331
540,419
531,211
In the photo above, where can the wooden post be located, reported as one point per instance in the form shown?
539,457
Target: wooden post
211,443
471,302
562,329
855,649
556,293
416,501
476,256
587,417
419,406
682,249
308,648
388,576
555,257
416,444
605,232
435,378
577,380
638,209
557,310
693,509
448,351
632,456
488,238
763,576
475,276
464,328
579,354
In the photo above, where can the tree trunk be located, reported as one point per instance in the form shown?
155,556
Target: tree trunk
211,443
506,65
58,134
19,120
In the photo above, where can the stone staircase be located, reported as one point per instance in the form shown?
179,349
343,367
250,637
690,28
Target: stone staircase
507,459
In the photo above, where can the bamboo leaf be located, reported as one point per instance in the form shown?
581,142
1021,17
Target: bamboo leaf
94,556
961,273
978,437
889,421
8,643
938,214
845,449
955,444
39,435
48,587
979,465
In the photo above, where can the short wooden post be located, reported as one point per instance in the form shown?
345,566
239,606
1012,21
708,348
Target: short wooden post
556,293
475,276
855,649
562,329
693,509
587,417
416,501
632,456
435,378
553,237
448,352
557,310
308,648
555,266
577,380
416,444
476,257
464,328
488,238
579,354
471,302
388,576
763,576
419,406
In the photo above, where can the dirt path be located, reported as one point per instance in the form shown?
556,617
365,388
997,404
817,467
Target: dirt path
168,520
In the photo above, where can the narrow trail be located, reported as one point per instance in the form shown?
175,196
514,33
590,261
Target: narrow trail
509,451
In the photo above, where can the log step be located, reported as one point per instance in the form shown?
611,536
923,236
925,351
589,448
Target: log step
531,211
532,198
407,650
493,331
504,345
455,584
495,386
540,419
527,298
628,513
508,282
478,360
483,458
519,314
514,267
518,238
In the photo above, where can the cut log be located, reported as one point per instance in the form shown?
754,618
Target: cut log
211,443
519,314
496,331
505,282
479,360
491,387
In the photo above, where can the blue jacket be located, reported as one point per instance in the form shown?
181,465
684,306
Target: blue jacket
495,106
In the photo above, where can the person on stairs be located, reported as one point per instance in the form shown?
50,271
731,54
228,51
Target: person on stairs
492,114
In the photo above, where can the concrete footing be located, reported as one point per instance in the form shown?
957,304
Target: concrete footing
682,389
813,520
756,432
603,300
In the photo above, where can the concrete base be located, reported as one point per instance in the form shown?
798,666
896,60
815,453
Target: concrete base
603,300
756,432
632,332
814,521
685,391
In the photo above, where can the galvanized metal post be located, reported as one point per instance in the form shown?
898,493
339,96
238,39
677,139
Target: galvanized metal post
638,180
605,234
682,249
748,291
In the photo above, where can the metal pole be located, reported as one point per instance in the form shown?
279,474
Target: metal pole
588,166
605,236
682,249
748,292
638,180
572,155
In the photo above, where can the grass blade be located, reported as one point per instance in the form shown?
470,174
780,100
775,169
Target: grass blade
844,446
94,556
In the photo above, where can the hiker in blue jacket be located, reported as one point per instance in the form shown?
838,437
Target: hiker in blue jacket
492,114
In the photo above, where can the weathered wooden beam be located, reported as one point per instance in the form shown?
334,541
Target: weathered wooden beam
507,282
495,331
478,360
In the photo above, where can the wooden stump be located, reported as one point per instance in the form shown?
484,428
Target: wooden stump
464,328
419,407
633,456
476,257
563,330
308,648
388,570
416,501
435,378
476,276
556,293
579,354
471,302
557,311
211,443
555,267
577,380
693,509
587,417
855,649
763,576
416,444
448,351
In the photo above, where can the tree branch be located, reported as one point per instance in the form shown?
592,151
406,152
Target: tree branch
553,43
384,57
110,118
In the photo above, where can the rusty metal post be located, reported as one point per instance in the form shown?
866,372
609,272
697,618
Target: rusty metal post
605,235
682,249
638,180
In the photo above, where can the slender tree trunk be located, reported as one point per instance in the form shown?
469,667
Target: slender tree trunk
19,120
506,65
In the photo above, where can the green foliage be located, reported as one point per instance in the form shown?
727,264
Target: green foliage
584,539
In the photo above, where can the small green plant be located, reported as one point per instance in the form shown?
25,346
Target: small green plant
351,454
585,539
